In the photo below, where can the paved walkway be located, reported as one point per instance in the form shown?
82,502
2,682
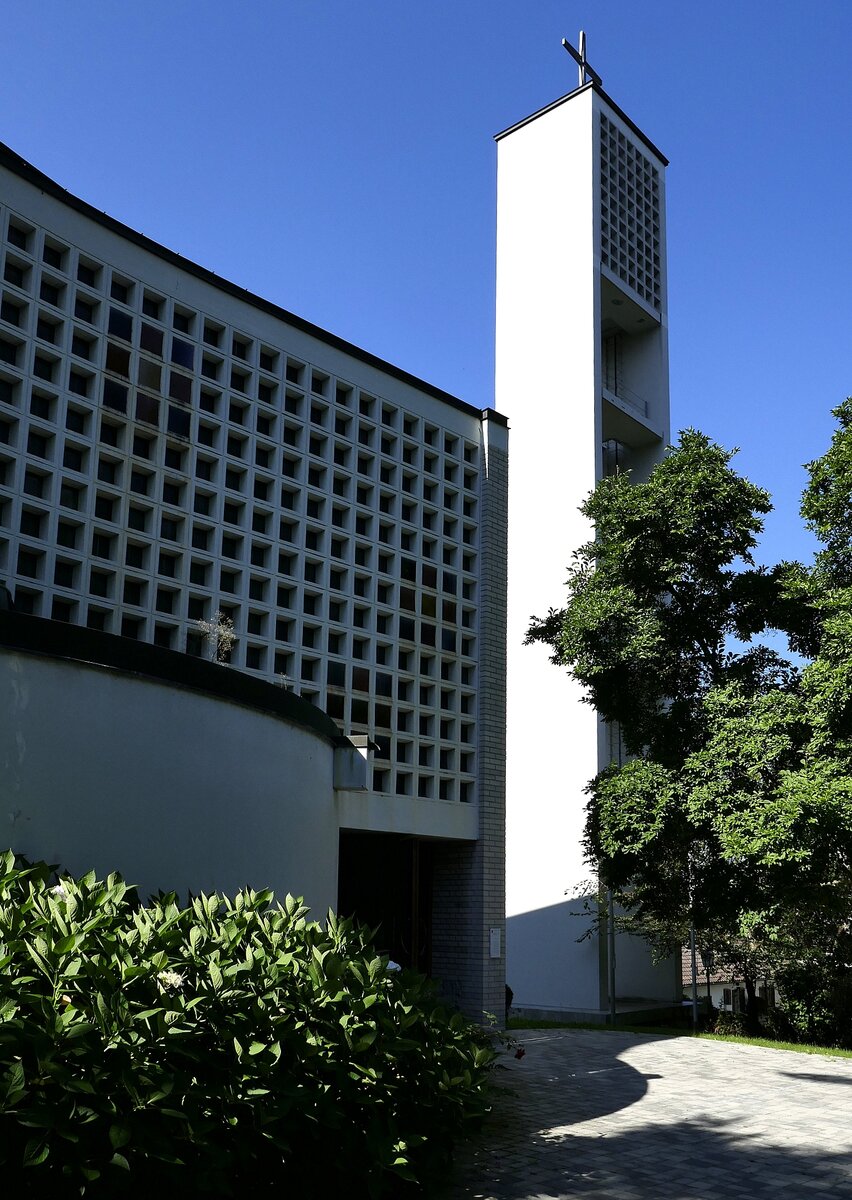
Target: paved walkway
617,1116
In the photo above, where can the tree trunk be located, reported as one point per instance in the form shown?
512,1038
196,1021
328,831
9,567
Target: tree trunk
752,1009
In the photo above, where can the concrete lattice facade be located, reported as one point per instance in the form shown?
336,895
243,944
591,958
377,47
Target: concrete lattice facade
172,447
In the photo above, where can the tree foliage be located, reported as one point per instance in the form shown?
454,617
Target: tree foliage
733,809
656,596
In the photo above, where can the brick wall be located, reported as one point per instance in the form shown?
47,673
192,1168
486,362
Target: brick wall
469,879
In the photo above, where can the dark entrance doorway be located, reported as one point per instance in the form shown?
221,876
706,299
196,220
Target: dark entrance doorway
385,880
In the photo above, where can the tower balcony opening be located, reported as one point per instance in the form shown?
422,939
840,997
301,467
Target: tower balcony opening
632,369
626,424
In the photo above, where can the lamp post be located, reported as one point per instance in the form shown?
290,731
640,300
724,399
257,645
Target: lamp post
692,952
610,937
707,962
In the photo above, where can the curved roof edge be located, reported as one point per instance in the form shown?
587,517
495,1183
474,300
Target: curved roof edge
91,647
25,170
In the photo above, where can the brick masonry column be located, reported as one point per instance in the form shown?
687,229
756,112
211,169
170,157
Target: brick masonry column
469,878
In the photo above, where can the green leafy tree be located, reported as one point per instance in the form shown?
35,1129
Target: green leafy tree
732,810
656,596
827,503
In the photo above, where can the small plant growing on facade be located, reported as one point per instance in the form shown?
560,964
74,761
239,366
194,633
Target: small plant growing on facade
219,637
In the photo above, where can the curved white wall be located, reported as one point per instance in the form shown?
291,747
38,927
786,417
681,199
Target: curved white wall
174,788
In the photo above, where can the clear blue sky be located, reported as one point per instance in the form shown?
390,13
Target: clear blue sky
337,157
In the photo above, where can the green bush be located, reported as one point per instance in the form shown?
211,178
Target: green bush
228,1045
818,1002
731,1023
776,1024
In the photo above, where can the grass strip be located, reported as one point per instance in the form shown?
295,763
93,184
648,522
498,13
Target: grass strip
672,1031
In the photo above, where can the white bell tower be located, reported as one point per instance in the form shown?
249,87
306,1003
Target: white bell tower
582,372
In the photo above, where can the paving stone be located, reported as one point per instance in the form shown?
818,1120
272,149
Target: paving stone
616,1116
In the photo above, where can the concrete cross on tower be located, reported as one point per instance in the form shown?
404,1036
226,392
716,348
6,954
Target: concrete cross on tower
579,56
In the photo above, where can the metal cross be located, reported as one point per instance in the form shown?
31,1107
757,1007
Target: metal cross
579,56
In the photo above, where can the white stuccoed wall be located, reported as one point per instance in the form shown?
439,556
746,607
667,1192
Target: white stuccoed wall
549,379
175,789
545,378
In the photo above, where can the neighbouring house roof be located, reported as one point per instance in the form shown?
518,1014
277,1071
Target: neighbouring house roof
720,973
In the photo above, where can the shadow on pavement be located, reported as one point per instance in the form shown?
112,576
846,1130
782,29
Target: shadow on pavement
535,1147
578,1088
810,1078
